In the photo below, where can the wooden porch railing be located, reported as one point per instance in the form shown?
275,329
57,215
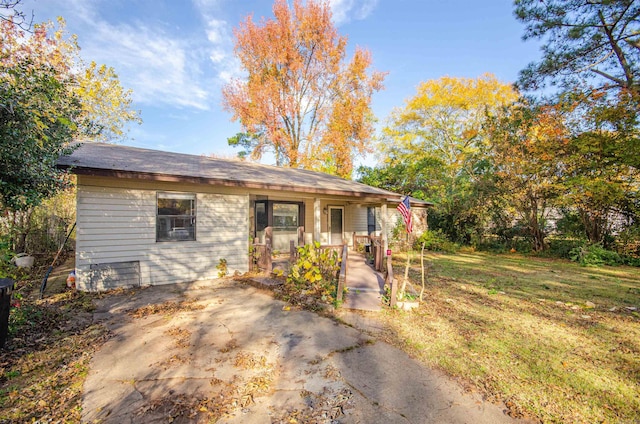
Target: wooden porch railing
378,255
342,274
360,241
261,253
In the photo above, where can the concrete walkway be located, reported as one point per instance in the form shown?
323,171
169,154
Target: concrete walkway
221,351
365,285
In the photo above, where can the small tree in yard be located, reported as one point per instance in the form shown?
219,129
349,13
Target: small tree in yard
526,142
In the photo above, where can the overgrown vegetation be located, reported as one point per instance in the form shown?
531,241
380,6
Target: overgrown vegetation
49,99
512,170
46,358
435,241
312,279
554,340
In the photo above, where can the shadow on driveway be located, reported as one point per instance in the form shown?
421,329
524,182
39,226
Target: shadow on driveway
227,352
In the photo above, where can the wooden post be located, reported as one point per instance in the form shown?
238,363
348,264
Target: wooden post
317,215
380,257
300,236
384,241
342,277
268,241
394,287
422,270
253,260
292,251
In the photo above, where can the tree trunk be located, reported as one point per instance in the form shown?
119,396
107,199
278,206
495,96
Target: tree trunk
593,225
533,221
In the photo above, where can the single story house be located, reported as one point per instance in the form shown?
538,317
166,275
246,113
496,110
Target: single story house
148,217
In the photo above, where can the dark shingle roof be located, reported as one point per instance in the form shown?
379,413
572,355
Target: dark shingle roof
132,162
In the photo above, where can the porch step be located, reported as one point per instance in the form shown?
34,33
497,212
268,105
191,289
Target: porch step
364,285
362,289
363,300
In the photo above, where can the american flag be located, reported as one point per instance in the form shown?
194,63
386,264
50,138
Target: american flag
405,209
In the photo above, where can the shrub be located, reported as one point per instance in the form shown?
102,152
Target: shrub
631,261
594,255
8,269
315,273
436,241
562,247
222,268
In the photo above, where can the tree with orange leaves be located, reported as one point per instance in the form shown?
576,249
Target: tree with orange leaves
300,99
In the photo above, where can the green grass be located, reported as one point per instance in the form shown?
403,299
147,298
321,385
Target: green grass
520,330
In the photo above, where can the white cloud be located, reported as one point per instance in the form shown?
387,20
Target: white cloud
220,37
346,10
217,56
159,68
217,31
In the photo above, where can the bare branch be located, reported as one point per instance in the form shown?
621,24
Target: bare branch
14,15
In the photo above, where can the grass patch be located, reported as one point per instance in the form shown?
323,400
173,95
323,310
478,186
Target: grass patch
553,340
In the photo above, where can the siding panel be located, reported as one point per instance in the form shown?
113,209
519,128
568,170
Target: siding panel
119,225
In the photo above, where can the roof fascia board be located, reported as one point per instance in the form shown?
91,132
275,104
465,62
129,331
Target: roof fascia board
148,176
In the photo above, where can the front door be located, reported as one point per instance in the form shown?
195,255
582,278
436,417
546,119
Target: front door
336,222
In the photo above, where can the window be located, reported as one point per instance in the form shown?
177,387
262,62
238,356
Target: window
176,217
284,218
371,220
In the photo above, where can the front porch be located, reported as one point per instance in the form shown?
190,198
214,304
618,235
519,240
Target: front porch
360,272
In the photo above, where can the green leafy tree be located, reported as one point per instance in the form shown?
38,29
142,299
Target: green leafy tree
591,50
48,100
601,174
584,41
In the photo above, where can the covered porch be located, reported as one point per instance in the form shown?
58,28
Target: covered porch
333,221
361,267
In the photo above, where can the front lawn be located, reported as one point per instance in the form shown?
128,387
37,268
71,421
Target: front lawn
554,341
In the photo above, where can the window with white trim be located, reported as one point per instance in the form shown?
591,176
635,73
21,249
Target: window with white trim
175,216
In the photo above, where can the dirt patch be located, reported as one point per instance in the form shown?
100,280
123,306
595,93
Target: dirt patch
169,307
47,356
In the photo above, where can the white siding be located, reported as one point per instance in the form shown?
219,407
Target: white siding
119,225
358,219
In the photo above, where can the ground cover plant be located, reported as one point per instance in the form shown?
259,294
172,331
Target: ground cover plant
46,359
553,340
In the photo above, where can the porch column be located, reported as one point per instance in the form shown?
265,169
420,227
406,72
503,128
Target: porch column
317,214
383,225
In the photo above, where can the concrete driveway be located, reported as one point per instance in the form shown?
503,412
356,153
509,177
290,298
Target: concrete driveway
227,352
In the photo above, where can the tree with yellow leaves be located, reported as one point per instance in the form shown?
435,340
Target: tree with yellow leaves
435,142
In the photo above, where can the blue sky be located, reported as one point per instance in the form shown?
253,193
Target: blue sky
177,54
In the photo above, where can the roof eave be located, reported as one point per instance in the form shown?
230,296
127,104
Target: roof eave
149,176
